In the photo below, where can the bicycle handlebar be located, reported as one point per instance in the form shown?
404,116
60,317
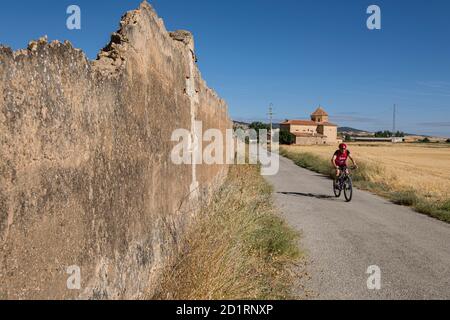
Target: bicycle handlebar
351,167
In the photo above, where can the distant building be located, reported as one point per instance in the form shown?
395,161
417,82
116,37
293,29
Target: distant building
318,130
373,139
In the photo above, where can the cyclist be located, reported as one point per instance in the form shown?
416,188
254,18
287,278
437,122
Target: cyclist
340,157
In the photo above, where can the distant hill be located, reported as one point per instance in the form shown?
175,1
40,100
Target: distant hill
344,131
409,137
348,129
241,123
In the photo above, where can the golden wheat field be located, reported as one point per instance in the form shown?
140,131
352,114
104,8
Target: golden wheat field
422,168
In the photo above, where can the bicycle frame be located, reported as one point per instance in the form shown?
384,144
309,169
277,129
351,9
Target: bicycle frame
345,172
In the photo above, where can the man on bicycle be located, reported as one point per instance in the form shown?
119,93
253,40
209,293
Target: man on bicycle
340,157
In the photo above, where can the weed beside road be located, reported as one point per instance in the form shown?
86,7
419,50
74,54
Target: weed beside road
238,247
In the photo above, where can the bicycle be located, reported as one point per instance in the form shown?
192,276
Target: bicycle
344,183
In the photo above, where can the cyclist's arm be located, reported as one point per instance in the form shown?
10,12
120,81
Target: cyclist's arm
353,161
333,161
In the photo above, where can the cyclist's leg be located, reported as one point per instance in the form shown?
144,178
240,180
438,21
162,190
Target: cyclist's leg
337,177
343,171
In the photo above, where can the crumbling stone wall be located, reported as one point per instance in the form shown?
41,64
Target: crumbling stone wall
85,172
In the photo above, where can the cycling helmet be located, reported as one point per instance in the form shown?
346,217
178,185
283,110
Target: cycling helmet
343,146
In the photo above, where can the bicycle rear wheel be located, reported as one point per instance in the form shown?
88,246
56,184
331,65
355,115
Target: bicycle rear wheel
348,189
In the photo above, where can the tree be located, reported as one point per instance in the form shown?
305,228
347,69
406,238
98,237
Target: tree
348,138
448,141
383,134
389,134
259,126
426,140
287,138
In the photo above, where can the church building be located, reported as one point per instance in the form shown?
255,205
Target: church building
318,130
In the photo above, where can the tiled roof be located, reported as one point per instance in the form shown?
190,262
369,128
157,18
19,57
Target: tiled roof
320,112
308,123
301,122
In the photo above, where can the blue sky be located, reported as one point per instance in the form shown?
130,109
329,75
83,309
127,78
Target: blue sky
295,54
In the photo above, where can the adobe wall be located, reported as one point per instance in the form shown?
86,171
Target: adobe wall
86,177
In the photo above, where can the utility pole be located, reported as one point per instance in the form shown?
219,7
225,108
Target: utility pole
270,114
394,126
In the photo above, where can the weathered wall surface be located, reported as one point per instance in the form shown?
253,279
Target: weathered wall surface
85,171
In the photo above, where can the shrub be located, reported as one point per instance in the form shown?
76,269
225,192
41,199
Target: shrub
405,198
446,206
286,137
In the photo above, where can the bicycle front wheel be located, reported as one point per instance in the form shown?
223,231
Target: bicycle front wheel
348,189
336,188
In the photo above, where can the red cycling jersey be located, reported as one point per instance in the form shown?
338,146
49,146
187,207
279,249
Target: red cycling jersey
341,158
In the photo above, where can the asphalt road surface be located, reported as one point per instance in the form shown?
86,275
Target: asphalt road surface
342,240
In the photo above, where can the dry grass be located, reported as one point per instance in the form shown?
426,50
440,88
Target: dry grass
237,249
417,175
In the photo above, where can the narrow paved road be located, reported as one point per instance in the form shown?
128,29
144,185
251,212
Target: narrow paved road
343,239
